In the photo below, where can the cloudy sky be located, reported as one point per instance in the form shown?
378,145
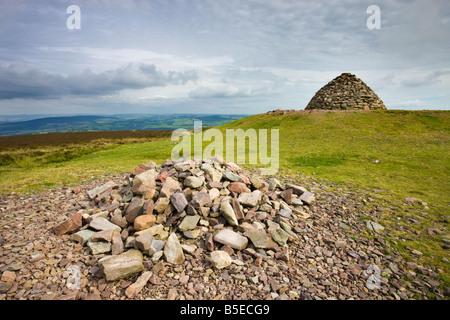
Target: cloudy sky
217,56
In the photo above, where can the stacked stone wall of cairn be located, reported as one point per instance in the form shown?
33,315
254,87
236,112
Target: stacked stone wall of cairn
346,92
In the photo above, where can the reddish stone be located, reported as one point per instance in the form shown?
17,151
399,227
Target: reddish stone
140,283
162,176
117,244
209,242
215,184
139,169
238,187
77,189
144,167
434,283
287,195
148,207
412,265
258,261
71,225
244,178
134,209
169,187
143,222
200,199
237,209
8,276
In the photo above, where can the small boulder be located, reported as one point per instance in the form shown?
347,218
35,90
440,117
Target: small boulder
83,236
71,225
193,182
93,193
307,197
169,187
237,208
122,265
298,190
228,213
238,187
250,199
178,200
161,204
143,241
144,181
105,235
229,175
220,259
189,222
258,237
117,218
134,209
375,227
99,247
173,252
200,200
280,236
231,238
101,224
144,221
117,245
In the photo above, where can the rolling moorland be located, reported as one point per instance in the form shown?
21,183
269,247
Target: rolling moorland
387,156
82,123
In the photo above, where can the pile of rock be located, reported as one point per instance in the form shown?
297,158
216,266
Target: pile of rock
183,207
346,92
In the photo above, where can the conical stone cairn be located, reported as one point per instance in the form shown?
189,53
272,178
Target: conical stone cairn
346,92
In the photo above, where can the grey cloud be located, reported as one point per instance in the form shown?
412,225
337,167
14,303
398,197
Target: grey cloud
222,92
425,80
19,81
416,31
227,92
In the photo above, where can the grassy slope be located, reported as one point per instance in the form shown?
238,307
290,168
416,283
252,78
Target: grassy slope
71,164
412,149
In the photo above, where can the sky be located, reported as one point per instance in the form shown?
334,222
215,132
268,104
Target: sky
217,56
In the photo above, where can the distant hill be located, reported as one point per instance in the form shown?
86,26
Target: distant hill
109,123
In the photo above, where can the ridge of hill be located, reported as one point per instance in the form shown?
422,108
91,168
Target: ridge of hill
82,123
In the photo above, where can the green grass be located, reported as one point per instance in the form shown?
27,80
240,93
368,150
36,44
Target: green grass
71,164
403,152
387,155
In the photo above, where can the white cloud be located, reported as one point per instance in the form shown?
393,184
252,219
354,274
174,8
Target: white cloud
411,103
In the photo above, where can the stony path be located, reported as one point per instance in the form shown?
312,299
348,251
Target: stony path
326,261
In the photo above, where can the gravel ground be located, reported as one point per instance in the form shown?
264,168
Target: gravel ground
330,259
